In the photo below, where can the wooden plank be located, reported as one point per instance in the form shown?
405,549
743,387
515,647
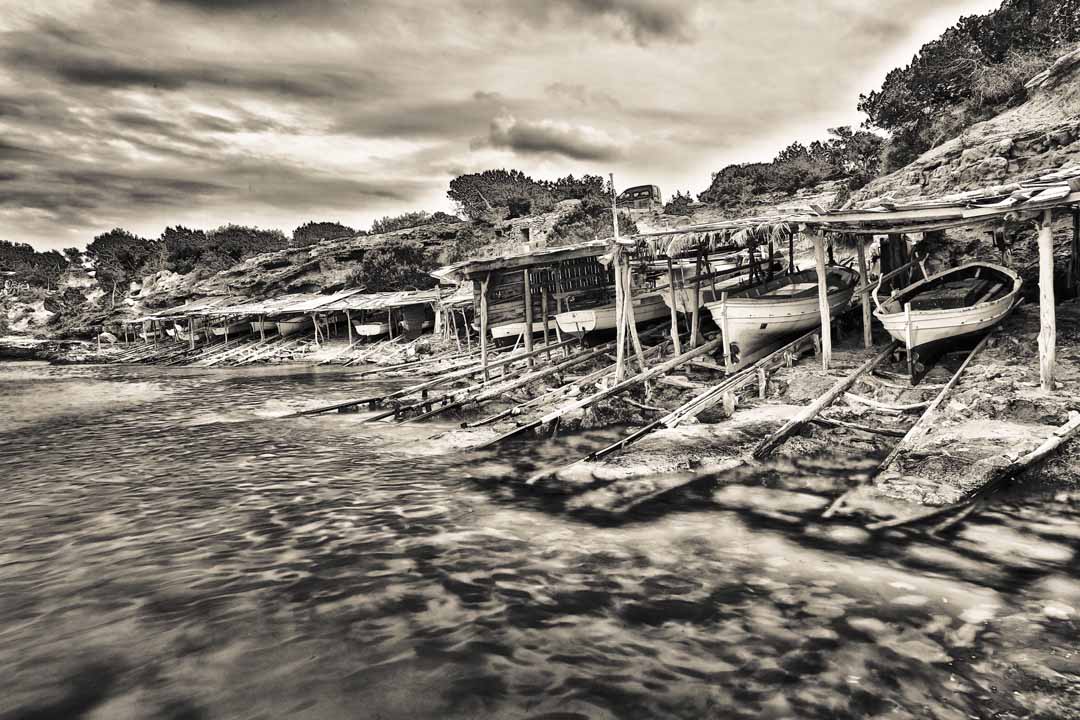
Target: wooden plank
808,413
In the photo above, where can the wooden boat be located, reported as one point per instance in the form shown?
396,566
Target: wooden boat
947,311
266,326
371,329
231,329
293,325
647,307
766,314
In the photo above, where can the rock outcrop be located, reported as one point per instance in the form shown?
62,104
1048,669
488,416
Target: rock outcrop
1040,134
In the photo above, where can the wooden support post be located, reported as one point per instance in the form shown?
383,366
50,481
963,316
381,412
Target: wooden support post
695,316
628,316
390,322
226,329
1074,253
262,328
823,300
620,310
527,289
725,331
484,325
544,316
791,252
348,321
867,318
1047,318
191,333
674,292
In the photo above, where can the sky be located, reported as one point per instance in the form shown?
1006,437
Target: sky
148,113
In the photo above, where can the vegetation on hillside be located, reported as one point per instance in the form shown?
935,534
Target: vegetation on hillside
976,69
497,194
851,155
312,232
27,265
410,220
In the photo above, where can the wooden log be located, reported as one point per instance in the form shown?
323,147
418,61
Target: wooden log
618,387
191,333
808,413
997,479
884,406
832,422
674,312
348,321
923,425
528,315
1047,317
867,318
484,324
823,300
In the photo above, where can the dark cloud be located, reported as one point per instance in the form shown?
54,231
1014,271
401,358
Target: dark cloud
549,136
461,117
101,67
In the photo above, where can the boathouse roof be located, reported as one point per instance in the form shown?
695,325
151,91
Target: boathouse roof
470,269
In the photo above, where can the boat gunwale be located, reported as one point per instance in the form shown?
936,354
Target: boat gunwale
880,314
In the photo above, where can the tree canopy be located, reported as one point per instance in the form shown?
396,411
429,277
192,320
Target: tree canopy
312,232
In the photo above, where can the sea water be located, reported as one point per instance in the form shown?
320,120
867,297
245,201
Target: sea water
171,547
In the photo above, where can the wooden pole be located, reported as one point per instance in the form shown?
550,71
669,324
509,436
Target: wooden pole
674,292
867,318
528,315
544,316
695,316
823,300
724,331
348,321
1074,255
191,333
484,325
262,328
620,314
808,413
631,322
1047,319
791,252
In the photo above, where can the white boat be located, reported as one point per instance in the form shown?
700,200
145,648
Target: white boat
513,329
231,329
766,314
946,310
293,325
371,329
647,307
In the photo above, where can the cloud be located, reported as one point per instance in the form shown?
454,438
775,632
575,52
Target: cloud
578,94
643,21
578,142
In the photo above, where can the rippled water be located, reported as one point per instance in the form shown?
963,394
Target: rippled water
171,549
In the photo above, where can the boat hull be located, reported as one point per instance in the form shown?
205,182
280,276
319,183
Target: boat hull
513,329
237,328
371,329
755,324
266,326
578,322
294,325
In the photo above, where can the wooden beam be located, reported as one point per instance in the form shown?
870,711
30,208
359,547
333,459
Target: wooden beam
528,315
823,300
191,333
1047,318
620,317
695,316
808,413
867,318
